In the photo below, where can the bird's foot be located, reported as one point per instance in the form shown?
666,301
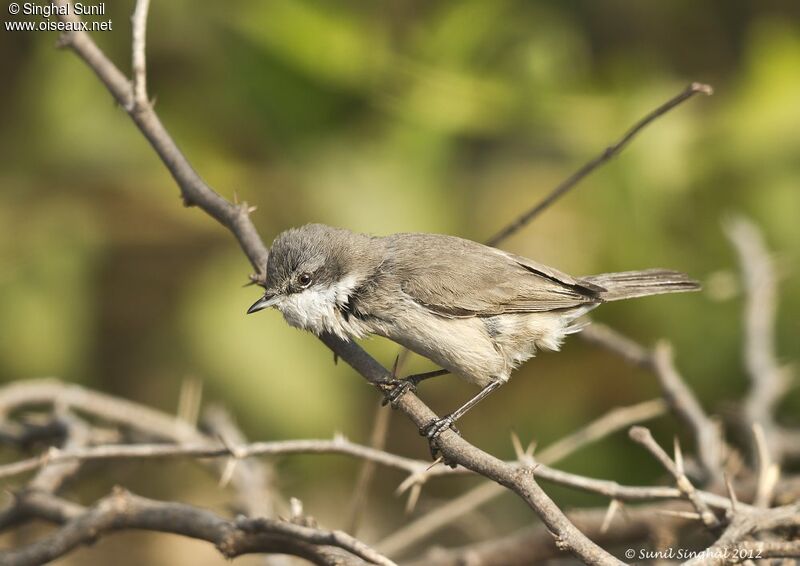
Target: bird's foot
395,389
433,430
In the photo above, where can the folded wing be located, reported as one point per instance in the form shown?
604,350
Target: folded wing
476,280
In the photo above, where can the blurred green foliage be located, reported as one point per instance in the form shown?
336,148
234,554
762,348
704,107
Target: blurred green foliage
395,116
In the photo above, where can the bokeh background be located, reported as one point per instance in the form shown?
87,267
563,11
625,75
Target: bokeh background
390,116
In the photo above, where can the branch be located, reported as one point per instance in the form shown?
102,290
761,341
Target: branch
194,190
726,550
139,26
680,398
122,510
52,476
52,392
643,436
338,445
605,156
427,525
253,480
768,381
456,449
419,470
380,431
534,545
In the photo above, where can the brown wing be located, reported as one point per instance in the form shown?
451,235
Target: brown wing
476,280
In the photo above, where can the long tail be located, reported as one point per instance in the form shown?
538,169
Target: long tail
630,284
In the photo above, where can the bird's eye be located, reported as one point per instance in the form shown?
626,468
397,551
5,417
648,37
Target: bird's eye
304,280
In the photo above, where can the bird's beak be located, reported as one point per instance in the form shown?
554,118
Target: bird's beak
268,300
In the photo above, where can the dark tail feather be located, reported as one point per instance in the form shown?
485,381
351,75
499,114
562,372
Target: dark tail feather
630,284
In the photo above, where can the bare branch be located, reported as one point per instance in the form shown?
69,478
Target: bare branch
51,477
456,449
616,419
727,549
686,406
533,545
605,156
380,430
122,510
768,381
139,25
194,190
337,445
430,523
51,392
255,493
681,399
643,436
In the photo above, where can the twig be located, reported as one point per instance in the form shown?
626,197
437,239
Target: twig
768,381
616,419
768,471
533,545
194,190
52,392
605,156
380,430
52,476
643,436
427,525
456,449
252,483
686,406
337,445
744,525
139,29
681,399
122,510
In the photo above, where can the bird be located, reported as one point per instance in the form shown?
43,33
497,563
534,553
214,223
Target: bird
475,311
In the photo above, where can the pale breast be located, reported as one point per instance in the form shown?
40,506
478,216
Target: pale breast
460,345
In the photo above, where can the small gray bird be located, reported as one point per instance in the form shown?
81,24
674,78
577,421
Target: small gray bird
476,311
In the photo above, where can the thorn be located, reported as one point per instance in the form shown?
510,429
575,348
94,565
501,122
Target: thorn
235,197
295,509
234,451
335,359
731,493
407,483
438,460
395,365
227,471
682,514
517,444
413,498
678,457
251,209
613,506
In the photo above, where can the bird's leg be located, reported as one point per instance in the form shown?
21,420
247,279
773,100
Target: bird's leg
436,427
400,387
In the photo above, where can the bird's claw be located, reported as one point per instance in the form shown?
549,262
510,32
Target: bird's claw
396,389
433,430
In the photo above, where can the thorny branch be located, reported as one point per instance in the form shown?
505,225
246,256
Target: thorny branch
559,533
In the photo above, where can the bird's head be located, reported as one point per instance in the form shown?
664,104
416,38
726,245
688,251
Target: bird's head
311,271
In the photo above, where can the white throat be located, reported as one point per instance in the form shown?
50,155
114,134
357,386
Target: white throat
317,309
